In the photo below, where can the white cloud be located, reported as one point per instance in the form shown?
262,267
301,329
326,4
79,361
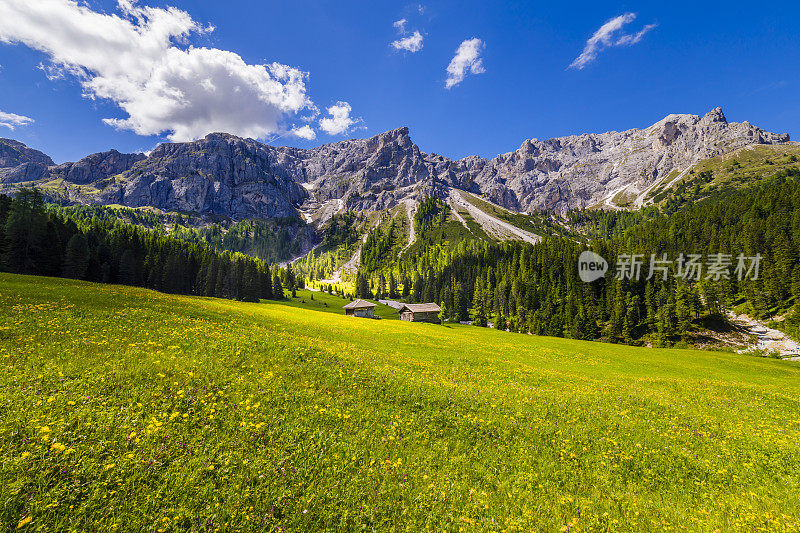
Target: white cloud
467,59
12,121
340,120
141,60
412,43
304,132
609,35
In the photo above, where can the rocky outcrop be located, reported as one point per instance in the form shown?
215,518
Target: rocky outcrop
18,163
14,153
220,174
96,167
26,172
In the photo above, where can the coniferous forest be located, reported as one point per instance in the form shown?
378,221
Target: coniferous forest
35,240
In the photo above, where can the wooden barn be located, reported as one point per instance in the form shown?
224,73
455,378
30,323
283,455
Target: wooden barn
420,313
360,308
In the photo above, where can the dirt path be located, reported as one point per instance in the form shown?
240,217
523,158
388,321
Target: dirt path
492,225
768,339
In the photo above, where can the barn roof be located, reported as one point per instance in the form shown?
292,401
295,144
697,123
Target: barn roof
421,308
359,304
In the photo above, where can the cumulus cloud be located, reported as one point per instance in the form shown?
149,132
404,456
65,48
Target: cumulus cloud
304,132
12,121
609,35
340,120
412,43
140,59
467,59
400,25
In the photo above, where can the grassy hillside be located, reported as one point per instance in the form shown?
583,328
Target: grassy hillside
123,409
742,168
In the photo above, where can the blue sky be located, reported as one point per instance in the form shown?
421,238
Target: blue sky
70,72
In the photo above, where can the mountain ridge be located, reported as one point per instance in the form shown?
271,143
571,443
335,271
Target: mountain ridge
222,174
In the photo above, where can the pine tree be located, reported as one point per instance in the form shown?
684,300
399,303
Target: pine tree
462,302
417,290
683,310
362,286
172,275
618,311
212,273
265,282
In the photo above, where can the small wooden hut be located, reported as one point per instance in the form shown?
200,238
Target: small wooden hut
420,313
360,308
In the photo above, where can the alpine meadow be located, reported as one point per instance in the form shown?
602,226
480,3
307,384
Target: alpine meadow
291,267
129,410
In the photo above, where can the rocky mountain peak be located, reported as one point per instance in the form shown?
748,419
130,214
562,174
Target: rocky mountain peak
14,153
715,115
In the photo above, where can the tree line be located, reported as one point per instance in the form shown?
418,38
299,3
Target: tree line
271,240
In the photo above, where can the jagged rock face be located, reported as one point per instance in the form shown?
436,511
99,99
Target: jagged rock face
220,174
18,163
554,175
14,153
24,173
96,167
371,174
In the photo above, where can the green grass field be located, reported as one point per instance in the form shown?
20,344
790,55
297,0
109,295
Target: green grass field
123,409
